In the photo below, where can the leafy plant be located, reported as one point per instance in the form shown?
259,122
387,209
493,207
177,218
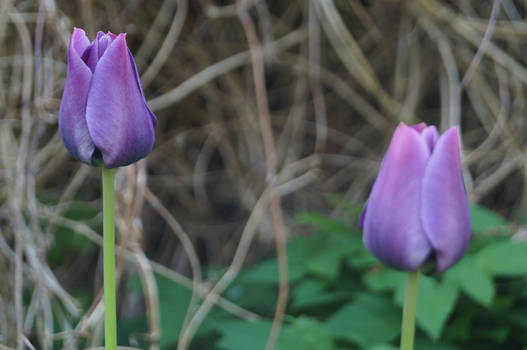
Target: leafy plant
343,298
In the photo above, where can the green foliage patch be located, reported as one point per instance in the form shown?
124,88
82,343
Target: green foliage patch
341,297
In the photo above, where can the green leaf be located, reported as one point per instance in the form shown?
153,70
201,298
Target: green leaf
384,347
384,279
434,305
323,223
326,264
361,259
519,317
459,328
266,272
66,241
173,303
174,300
483,219
256,297
306,334
243,335
367,321
312,293
339,202
474,281
497,333
503,258
428,345
435,302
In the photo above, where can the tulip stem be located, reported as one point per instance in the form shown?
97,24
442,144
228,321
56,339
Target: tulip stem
410,304
110,322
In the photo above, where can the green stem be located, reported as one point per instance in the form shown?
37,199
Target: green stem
410,303
110,321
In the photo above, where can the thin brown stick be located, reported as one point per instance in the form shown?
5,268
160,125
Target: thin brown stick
239,256
168,44
319,104
19,191
189,250
483,46
257,60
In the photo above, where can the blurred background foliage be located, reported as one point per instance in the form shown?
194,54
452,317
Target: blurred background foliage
194,218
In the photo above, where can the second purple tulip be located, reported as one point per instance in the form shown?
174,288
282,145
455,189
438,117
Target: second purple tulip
418,210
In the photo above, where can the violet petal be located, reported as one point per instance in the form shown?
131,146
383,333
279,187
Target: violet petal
72,122
444,211
431,136
392,232
119,122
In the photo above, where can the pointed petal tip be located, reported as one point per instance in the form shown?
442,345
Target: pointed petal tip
112,35
79,42
418,127
78,31
390,232
430,136
108,110
445,213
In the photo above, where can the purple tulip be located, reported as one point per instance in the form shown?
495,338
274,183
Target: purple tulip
103,116
418,210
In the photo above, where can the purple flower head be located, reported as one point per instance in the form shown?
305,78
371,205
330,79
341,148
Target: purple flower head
418,210
103,115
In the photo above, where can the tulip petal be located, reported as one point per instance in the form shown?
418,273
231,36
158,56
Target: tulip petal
392,232
79,41
118,120
362,216
72,122
418,127
445,211
104,41
431,136
91,55
138,80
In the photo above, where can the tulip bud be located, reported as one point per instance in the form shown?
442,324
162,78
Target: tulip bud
418,210
103,115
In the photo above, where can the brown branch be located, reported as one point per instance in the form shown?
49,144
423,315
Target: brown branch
257,60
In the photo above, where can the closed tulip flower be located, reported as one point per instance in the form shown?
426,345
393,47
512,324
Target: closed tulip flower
418,210
103,117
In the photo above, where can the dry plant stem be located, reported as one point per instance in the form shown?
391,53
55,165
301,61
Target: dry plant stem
19,192
231,273
168,44
453,103
191,254
153,35
319,104
18,289
143,264
266,130
285,188
483,46
3,347
85,231
219,68
128,220
354,59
